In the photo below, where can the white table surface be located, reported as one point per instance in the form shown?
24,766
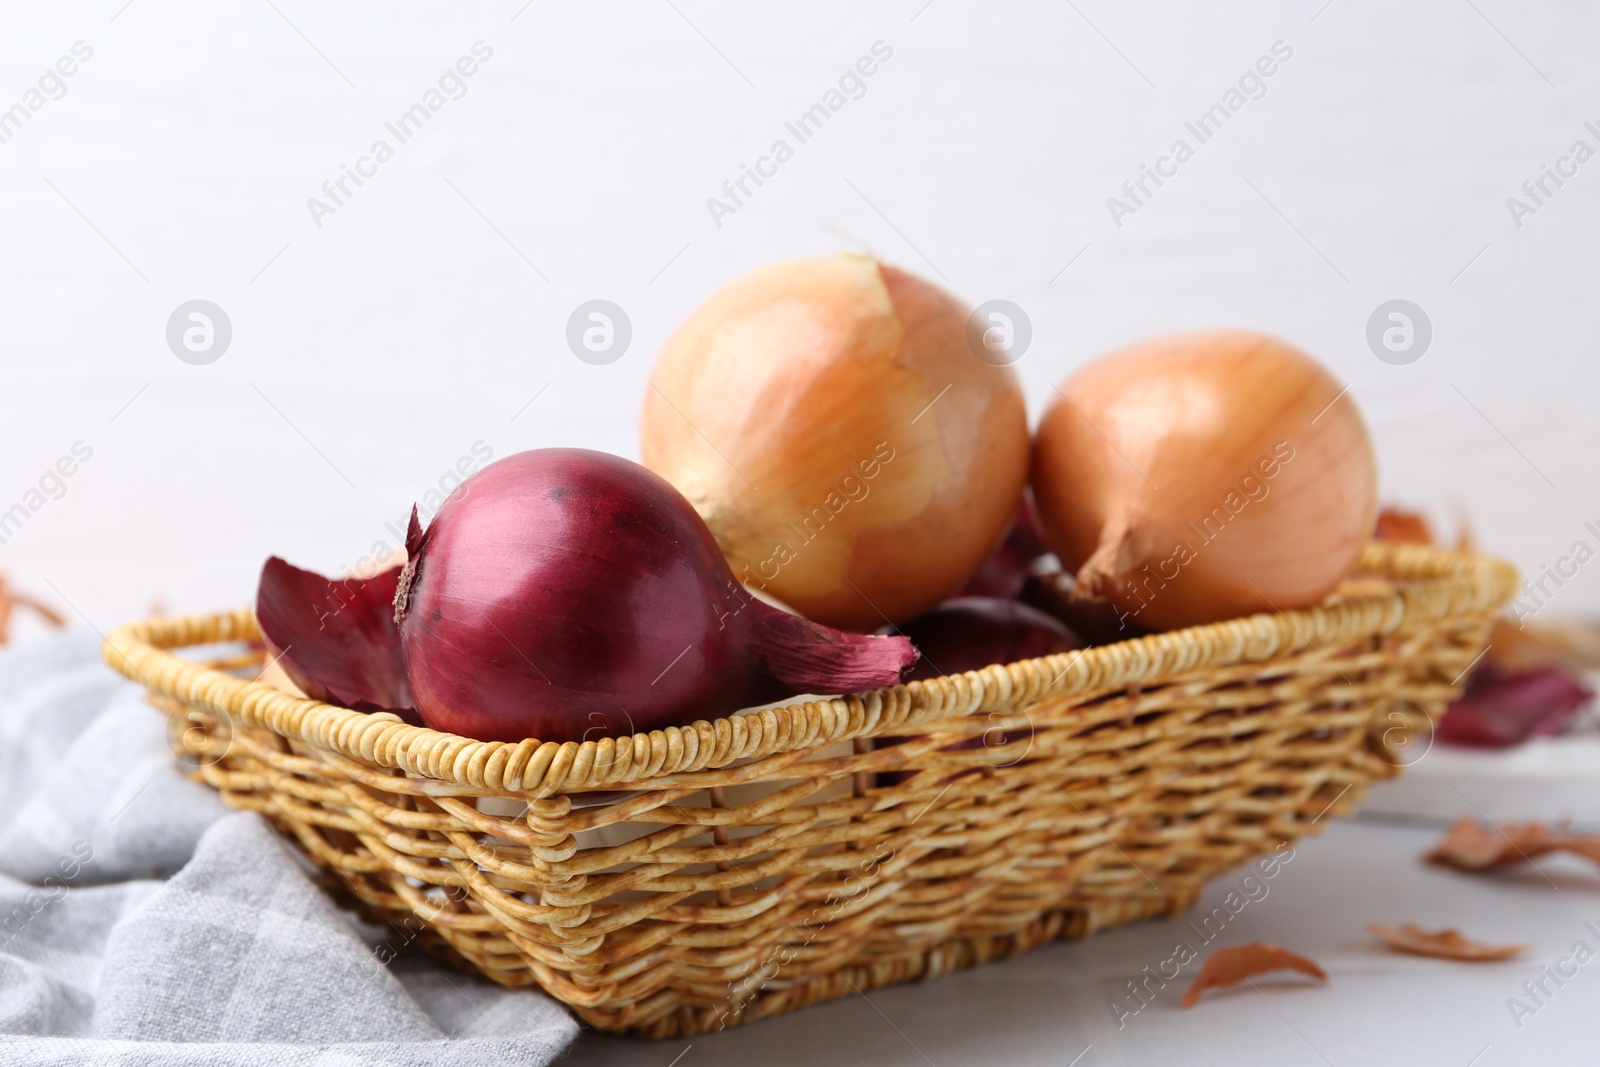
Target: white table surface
1545,778
1379,1007
369,354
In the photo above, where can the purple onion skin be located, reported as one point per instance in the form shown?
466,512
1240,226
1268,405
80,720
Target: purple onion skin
335,637
1005,571
1001,575
970,633
1502,708
1096,623
568,595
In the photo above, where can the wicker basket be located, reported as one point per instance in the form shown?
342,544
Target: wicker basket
692,878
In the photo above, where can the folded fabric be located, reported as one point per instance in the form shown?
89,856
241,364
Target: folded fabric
142,923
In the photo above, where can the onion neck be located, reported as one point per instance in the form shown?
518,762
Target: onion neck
1120,551
415,538
807,657
402,590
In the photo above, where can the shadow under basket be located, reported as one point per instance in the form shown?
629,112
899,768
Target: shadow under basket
692,878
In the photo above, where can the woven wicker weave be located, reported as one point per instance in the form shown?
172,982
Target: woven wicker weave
784,858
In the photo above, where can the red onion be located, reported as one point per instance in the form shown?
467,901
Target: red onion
564,594
335,638
1502,707
1005,572
1097,623
970,633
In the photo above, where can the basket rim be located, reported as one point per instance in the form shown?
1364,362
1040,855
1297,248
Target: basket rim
1443,584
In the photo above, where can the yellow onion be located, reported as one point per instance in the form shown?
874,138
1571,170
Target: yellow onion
1204,476
853,457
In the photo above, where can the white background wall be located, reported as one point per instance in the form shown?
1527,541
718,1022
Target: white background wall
376,349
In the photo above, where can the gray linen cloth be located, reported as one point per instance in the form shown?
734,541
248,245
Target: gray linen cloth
143,923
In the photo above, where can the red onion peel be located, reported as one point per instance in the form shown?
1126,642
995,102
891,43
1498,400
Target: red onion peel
335,637
970,633
1502,707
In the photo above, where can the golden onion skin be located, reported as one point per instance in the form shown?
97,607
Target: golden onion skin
854,458
1151,477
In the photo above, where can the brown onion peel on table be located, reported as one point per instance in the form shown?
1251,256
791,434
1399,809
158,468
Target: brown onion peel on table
10,600
1240,963
1441,944
1471,847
